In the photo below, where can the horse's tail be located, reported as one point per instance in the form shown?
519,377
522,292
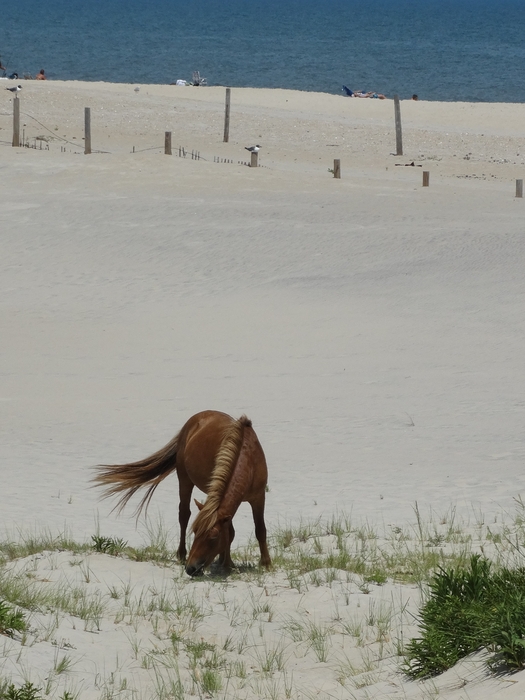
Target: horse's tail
129,478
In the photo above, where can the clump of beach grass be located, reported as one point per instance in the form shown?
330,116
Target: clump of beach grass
468,609
225,636
11,619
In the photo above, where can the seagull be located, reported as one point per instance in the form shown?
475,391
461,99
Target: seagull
15,89
253,149
137,89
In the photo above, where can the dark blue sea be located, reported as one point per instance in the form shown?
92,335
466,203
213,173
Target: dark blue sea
470,50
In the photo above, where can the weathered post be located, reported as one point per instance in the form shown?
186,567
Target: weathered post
87,130
16,121
337,168
399,134
254,160
519,188
426,178
227,116
167,143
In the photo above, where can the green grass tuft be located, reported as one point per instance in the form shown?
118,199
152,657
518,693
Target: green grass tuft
467,610
26,692
11,620
108,545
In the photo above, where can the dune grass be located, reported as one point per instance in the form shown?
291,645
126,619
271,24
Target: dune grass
470,609
342,599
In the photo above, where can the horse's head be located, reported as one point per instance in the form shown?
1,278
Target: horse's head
207,545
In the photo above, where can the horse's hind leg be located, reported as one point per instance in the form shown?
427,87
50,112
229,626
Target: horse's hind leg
260,529
185,491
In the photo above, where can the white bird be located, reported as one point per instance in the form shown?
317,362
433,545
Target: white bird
15,89
253,149
137,89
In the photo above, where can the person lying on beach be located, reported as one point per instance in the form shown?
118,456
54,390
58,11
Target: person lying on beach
41,75
357,93
372,95
362,93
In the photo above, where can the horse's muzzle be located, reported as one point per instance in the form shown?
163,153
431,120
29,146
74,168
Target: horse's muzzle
194,570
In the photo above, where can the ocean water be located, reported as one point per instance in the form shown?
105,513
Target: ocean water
469,50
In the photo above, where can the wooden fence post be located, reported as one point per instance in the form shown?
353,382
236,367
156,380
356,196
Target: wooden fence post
87,130
227,116
254,160
399,133
167,143
519,188
337,168
16,121
426,178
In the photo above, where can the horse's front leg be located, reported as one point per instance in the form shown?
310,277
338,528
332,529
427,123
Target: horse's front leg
225,559
185,491
260,529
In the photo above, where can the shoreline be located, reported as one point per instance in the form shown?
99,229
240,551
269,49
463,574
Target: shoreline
338,93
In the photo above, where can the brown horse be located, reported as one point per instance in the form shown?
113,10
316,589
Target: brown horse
222,457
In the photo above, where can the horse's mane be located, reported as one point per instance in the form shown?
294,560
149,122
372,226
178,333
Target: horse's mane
225,461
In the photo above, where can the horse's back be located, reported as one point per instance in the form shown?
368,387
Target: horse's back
199,441
205,422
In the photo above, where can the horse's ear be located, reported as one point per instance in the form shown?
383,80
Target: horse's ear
199,505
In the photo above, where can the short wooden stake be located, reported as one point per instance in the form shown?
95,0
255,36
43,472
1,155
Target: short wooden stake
87,130
227,116
254,159
167,143
16,121
519,188
426,178
337,168
399,133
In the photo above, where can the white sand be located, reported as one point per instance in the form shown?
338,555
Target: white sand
372,329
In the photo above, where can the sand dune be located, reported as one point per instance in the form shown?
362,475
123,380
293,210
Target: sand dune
371,328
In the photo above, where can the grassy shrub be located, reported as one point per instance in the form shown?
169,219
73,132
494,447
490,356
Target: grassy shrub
26,692
108,545
467,610
10,620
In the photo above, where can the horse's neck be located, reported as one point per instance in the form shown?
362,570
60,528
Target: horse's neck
239,482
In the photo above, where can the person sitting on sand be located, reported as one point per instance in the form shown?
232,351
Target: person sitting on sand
41,75
415,98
